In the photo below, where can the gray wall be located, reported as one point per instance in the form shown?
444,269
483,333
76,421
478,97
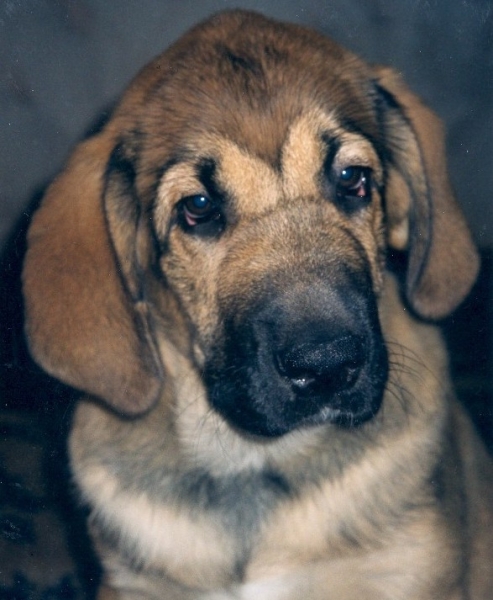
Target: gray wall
62,62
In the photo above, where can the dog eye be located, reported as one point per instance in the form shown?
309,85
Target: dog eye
355,183
200,214
198,209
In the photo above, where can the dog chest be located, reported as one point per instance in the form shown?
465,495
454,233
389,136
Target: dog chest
193,528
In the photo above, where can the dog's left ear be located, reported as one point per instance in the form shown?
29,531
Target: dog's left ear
424,218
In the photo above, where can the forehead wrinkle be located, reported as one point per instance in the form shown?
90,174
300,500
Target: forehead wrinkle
251,182
303,154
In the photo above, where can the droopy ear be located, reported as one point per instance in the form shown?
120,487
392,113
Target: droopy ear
81,324
424,217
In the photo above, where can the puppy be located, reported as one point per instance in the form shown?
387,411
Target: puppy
240,273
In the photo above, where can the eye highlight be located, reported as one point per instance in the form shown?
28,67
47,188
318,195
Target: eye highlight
199,214
354,182
197,208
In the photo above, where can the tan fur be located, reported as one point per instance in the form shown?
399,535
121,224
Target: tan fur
127,301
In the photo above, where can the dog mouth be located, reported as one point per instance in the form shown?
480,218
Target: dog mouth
276,373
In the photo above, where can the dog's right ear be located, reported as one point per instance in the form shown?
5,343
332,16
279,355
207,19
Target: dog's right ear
82,325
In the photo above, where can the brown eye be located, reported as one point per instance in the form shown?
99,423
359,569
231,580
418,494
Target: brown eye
354,182
200,215
198,209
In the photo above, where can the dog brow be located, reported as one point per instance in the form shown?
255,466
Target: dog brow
206,174
332,144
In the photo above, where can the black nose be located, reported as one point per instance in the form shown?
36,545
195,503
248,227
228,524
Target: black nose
322,367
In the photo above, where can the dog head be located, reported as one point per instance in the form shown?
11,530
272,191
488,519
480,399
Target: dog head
238,209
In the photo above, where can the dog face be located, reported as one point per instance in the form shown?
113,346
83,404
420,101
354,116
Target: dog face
238,210
273,244
296,338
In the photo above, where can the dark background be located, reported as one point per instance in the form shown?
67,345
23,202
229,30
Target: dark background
63,62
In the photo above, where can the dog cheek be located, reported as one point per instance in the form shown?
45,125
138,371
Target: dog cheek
191,280
375,245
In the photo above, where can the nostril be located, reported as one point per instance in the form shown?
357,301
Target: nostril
303,381
323,367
